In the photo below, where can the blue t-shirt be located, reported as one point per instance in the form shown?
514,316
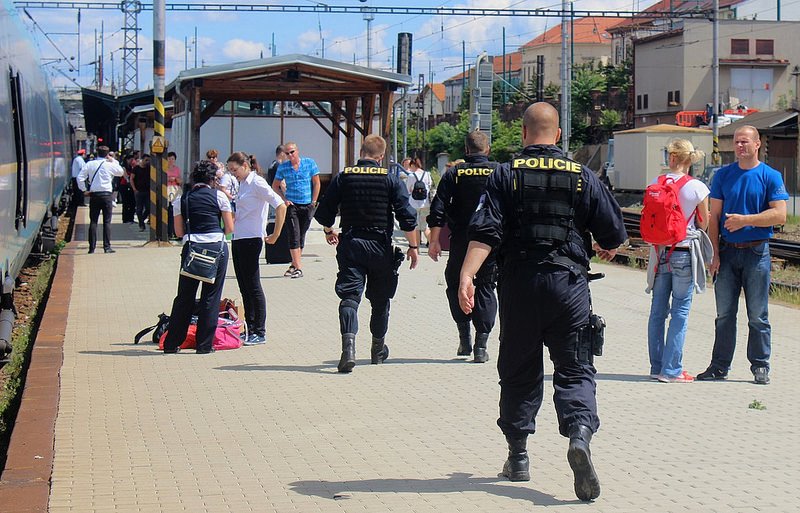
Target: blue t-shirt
746,191
298,183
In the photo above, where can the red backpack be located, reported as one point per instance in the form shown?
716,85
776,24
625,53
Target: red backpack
662,222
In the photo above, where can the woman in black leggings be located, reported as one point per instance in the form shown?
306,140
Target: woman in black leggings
252,209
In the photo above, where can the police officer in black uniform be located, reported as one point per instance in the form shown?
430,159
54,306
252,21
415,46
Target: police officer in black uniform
538,211
367,196
456,198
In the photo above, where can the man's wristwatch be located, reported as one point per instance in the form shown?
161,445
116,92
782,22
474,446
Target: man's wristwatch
413,247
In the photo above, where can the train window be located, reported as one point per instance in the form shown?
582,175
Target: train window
17,119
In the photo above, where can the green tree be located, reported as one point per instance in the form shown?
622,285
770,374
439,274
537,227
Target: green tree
440,138
609,119
585,80
506,138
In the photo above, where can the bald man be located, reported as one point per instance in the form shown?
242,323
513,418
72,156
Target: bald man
538,213
748,198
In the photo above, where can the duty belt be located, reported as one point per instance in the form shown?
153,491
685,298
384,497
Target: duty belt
357,233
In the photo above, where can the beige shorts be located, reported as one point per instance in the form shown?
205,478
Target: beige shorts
422,218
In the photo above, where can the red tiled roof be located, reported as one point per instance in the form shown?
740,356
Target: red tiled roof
676,6
438,91
586,30
513,63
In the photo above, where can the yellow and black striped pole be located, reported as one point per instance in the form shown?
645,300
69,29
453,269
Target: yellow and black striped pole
159,223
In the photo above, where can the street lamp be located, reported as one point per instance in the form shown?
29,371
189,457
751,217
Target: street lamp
369,15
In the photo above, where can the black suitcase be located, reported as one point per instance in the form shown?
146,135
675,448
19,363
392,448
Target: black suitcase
278,253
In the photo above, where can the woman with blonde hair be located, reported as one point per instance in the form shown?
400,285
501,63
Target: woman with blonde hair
677,272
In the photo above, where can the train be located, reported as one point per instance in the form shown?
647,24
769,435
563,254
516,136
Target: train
35,157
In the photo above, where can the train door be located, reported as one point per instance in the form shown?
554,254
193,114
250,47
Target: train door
20,150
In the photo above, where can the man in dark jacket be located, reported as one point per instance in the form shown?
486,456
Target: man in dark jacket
538,211
368,197
456,199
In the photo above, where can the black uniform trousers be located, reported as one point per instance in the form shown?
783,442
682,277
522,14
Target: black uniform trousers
77,196
485,310
245,254
543,305
370,263
142,206
207,310
100,202
128,203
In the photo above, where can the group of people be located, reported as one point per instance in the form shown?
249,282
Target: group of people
747,198
235,198
525,228
533,218
131,187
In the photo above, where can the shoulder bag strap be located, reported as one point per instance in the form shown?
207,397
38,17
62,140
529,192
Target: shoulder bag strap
188,224
91,182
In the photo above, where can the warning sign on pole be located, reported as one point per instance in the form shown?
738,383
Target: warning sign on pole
158,145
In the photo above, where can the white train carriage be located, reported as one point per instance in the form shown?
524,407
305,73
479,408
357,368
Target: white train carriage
34,154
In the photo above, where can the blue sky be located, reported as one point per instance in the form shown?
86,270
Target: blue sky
225,37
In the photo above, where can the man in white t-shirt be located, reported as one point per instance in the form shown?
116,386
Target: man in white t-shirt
423,206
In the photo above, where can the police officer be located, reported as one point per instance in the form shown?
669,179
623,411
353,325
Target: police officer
456,198
367,196
537,211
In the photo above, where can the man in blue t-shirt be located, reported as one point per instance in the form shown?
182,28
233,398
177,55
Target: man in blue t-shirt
302,190
747,199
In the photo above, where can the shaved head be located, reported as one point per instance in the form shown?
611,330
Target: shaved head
540,124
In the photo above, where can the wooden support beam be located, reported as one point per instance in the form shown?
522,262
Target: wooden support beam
194,99
337,132
386,99
367,110
211,109
350,106
316,119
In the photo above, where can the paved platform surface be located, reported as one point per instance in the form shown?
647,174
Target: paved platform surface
276,428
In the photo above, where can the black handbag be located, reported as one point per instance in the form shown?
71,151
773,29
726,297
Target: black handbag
200,263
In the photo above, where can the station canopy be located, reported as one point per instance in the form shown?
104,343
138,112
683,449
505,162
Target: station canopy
346,96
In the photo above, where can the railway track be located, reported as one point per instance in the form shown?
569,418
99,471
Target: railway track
785,249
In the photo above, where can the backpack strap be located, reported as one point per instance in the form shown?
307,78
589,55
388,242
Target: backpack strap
138,336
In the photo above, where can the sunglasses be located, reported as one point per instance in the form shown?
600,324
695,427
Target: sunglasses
292,152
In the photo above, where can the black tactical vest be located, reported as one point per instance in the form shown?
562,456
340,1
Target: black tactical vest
365,197
470,182
546,189
200,210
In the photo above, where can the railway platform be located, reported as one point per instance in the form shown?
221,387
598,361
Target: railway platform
275,428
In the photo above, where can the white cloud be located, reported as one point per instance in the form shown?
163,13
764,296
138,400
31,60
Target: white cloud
242,50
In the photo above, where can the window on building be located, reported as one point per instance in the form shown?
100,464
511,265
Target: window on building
644,101
638,102
765,47
677,97
740,47
670,98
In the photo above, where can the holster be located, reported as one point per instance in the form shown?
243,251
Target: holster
591,337
399,257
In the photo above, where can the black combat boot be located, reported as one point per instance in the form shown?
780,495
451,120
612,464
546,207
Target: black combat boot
348,360
516,466
380,351
480,347
587,485
464,339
